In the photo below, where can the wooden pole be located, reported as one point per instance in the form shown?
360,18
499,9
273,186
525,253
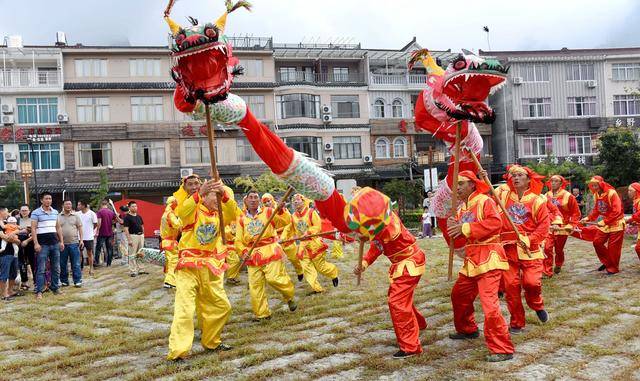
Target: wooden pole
497,199
360,255
214,167
454,196
281,204
307,236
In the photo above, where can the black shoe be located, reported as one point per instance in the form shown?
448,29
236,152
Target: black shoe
143,273
602,268
222,347
292,305
500,294
258,320
64,284
56,292
399,355
557,269
167,285
133,275
543,316
300,277
515,331
497,357
464,336
335,282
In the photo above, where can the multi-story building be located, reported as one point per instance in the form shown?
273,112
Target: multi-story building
556,102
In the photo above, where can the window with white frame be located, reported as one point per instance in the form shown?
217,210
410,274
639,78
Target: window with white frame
244,151
399,147
144,67
397,109
149,153
382,148
37,110
537,145
625,71
345,106
347,147
255,104
535,73
196,151
91,67
581,106
95,154
298,106
626,104
146,109
536,107
378,108
341,74
580,145
92,109
287,74
580,72
252,68
310,145
44,156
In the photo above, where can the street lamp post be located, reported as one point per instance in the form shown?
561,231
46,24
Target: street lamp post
26,171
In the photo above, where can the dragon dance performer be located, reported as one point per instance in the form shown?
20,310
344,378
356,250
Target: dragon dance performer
569,210
283,221
611,228
265,265
233,259
477,227
170,226
528,210
200,271
634,194
311,251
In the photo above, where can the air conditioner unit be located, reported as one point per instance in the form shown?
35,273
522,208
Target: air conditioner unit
367,159
517,80
63,117
11,166
7,109
10,156
327,118
328,146
592,84
326,109
8,119
185,172
329,159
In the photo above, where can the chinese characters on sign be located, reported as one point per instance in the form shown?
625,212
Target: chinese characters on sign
8,134
627,122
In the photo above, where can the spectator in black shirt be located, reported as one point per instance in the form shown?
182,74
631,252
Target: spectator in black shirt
134,230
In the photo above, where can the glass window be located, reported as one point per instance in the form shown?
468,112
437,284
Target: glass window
626,105
535,146
298,106
536,107
44,156
341,74
149,153
396,108
582,106
625,71
382,148
399,147
255,104
580,72
535,73
95,154
345,106
37,110
347,147
244,151
92,109
252,68
91,68
146,109
287,74
196,151
378,108
310,145
144,67
580,145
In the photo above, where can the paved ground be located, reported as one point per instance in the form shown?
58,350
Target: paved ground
116,327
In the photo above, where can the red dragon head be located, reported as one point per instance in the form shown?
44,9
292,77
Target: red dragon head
204,64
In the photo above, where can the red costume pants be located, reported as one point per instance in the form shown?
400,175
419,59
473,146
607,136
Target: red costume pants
554,243
609,255
407,320
465,291
525,275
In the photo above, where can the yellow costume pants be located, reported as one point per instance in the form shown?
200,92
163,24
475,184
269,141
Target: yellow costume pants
275,275
202,291
171,260
292,253
234,262
318,265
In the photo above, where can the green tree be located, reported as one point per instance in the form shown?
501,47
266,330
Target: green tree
576,173
266,182
619,156
405,193
102,191
12,195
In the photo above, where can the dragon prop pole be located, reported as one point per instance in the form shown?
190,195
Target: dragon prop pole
281,204
454,196
360,255
497,199
214,167
308,236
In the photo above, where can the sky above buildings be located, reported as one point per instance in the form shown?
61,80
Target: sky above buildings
514,24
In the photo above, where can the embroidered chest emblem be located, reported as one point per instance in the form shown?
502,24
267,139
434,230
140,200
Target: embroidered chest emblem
519,213
254,227
602,206
468,216
206,233
555,201
301,227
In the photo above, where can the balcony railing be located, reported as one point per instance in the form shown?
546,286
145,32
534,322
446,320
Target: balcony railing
320,78
398,79
17,78
251,43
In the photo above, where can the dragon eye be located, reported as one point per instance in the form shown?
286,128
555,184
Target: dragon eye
179,38
459,63
210,32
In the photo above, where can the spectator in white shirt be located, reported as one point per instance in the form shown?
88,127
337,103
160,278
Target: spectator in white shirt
89,225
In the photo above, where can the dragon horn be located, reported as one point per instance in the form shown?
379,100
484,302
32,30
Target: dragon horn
174,26
429,63
222,20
